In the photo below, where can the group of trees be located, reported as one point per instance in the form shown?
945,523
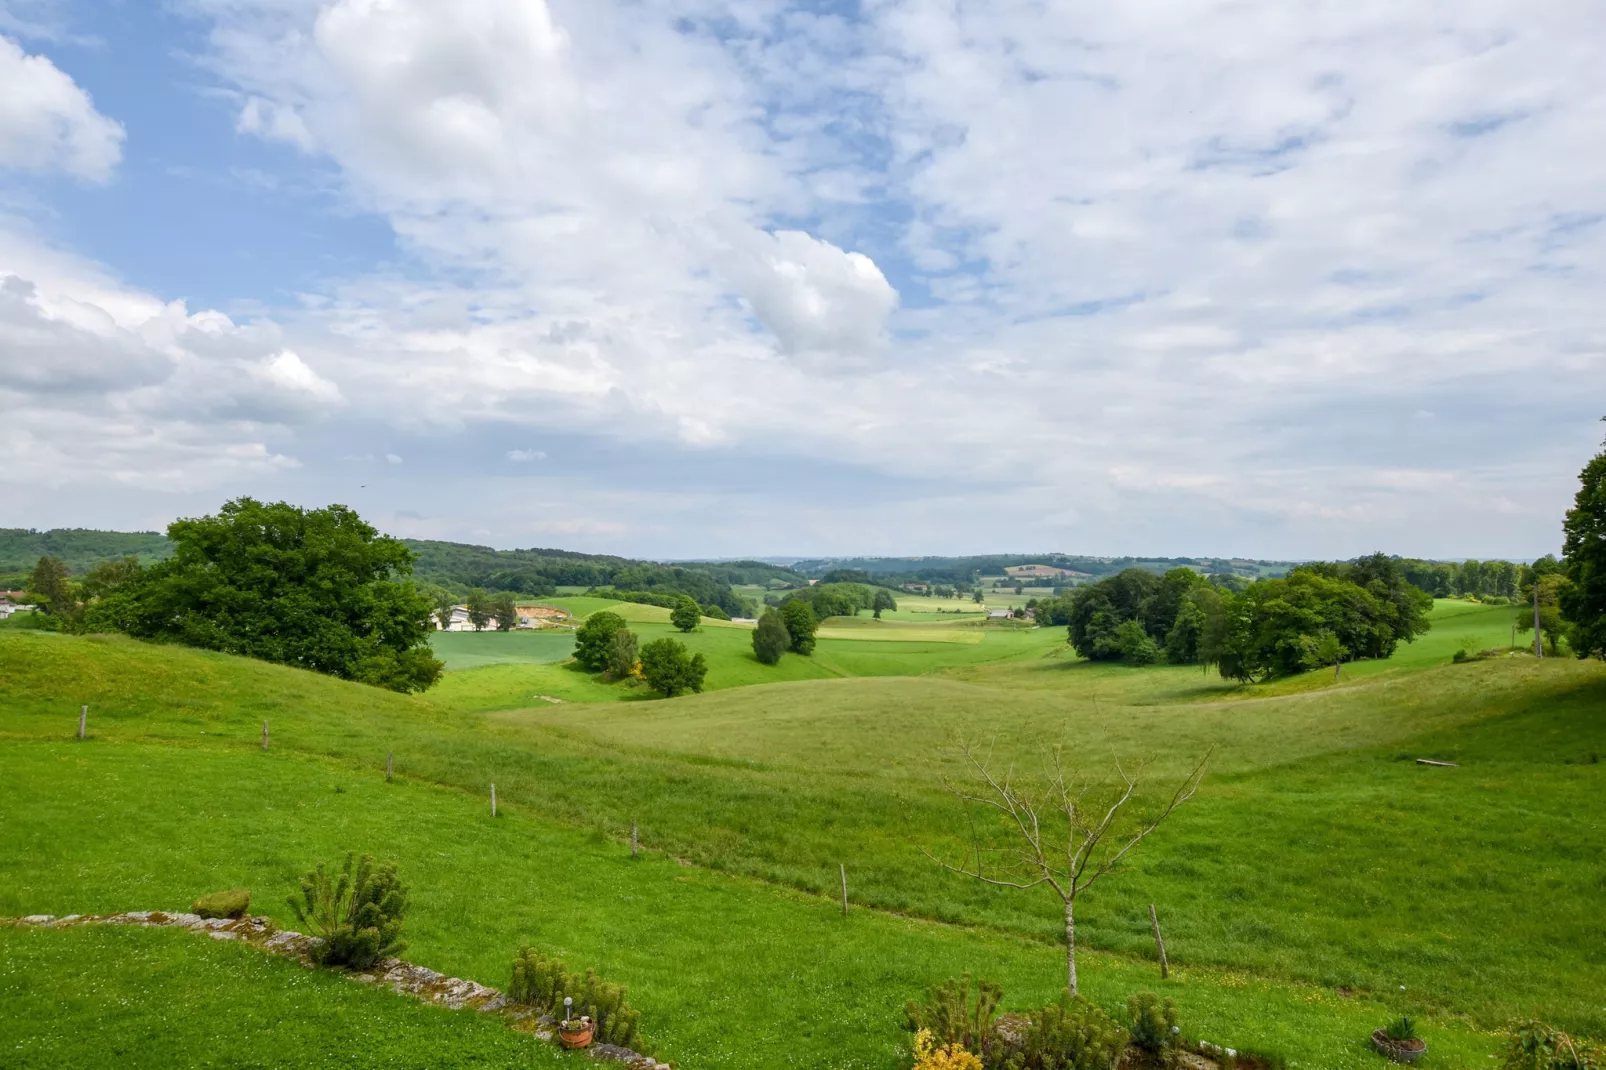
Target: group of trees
1582,601
605,644
1477,579
843,599
315,588
792,627
539,572
1319,614
484,609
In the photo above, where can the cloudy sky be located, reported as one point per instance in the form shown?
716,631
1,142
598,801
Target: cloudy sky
1278,278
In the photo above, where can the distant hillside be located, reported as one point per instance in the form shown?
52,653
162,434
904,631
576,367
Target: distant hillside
81,548
966,570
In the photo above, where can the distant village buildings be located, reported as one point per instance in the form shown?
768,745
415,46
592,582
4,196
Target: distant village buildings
530,618
12,602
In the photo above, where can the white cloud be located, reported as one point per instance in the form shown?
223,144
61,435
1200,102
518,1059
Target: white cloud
48,123
1098,267
274,122
391,458
815,297
525,456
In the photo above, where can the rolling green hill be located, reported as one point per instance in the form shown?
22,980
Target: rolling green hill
1319,870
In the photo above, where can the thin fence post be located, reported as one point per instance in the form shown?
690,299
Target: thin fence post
83,720
843,866
493,800
632,837
1159,943
390,758
264,735
1539,643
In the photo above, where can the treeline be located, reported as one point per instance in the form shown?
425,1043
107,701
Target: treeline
1319,614
540,572
964,572
80,549
1470,579
315,588
843,599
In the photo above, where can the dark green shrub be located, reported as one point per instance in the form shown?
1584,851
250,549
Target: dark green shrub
358,914
1154,1028
686,614
542,984
1400,1029
593,639
954,1016
1533,1045
770,638
230,904
624,650
1072,1034
669,669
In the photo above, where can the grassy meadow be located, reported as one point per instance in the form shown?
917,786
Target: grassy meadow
1320,881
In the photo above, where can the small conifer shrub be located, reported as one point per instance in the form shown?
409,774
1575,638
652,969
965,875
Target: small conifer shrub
542,983
1154,1028
1072,1034
358,912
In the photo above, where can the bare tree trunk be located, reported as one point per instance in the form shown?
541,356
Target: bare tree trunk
1070,945
1539,644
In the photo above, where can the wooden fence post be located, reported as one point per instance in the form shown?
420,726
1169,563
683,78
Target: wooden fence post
493,800
264,735
632,837
844,869
1154,919
83,720
390,758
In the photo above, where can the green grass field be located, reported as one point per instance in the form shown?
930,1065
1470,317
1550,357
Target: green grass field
1319,871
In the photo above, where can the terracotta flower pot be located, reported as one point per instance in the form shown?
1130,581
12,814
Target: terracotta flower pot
580,1038
1401,1051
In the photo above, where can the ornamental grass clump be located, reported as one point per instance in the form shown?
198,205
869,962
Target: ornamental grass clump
358,914
1533,1045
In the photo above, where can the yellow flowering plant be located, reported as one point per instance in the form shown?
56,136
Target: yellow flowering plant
929,1055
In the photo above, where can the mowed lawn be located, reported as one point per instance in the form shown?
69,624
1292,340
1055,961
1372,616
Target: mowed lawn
1318,852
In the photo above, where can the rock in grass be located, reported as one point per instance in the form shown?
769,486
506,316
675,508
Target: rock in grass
230,904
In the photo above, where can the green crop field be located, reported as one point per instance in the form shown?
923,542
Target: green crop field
1321,881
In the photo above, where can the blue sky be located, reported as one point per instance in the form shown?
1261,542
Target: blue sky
727,277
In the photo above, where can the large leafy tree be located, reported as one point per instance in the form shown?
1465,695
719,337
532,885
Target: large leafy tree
51,590
686,614
594,639
669,669
801,624
770,638
315,588
1583,602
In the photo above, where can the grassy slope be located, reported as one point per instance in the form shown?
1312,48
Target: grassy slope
728,973
1287,866
133,998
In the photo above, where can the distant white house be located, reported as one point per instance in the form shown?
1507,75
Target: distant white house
8,607
998,614
459,621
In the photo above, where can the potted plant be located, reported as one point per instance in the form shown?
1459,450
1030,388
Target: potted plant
576,1030
1398,1041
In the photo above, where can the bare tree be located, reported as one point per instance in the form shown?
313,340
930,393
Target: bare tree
1058,841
